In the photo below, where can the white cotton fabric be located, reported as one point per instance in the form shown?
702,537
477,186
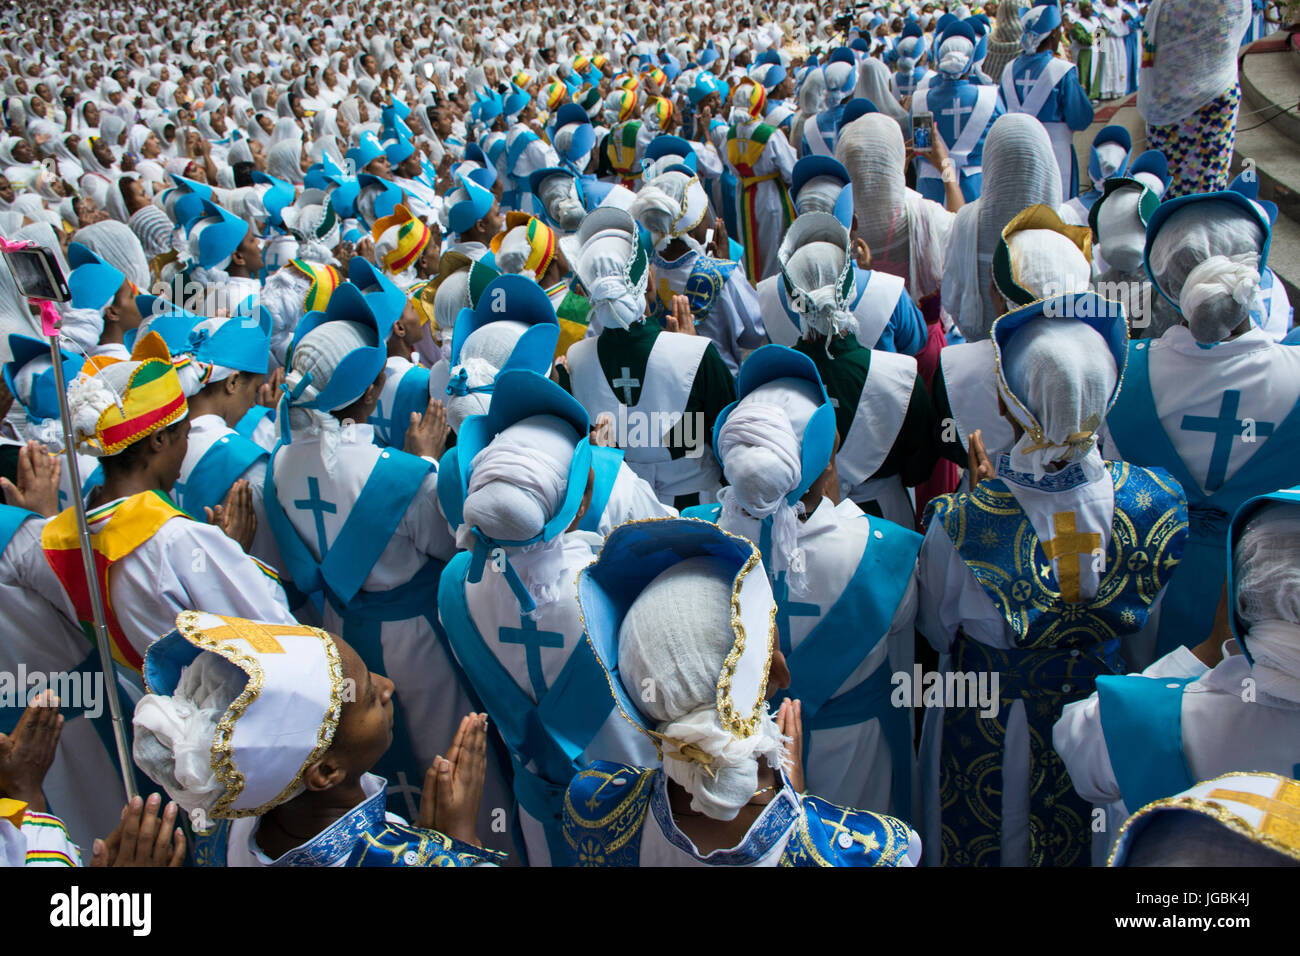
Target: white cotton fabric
1063,373
483,353
1020,170
873,84
906,233
1046,263
673,640
174,734
89,396
954,57
116,244
1196,44
1206,256
319,352
1266,562
602,268
813,257
1121,234
559,196
760,445
517,484
819,194
1109,157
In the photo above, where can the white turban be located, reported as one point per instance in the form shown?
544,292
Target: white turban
1266,563
1206,256
674,639
602,268
319,353
517,484
483,353
1048,263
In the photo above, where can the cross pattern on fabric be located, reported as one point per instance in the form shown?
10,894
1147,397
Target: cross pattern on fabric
378,420
1226,428
626,382
533,640
1066,549
868,841
1025,83
786,609
319,507
1281,819
258,636
957,112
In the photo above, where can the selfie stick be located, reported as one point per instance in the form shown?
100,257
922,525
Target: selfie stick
50,328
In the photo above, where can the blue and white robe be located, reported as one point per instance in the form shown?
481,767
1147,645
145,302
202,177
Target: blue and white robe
371,538
724,304
1225,422
1047,87
406,390
1149,735
366,835
540,682
843,638
618,815
963,112
886,314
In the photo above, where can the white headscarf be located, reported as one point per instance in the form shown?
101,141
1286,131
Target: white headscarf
1062,372
1020,170
1206,256
319,353
674,638
1266,562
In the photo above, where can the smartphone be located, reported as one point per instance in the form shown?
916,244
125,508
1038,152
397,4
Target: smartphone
37,274
922,130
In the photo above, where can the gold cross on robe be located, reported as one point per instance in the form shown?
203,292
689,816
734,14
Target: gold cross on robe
1281,811
1065,549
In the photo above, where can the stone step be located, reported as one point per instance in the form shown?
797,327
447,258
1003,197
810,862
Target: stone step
1270,85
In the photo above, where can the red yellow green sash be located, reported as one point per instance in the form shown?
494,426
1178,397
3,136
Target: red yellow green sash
743,154
130,523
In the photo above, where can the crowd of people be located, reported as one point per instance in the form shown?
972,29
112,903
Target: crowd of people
644,436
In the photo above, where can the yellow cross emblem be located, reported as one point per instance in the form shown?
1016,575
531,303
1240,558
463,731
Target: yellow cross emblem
1065,549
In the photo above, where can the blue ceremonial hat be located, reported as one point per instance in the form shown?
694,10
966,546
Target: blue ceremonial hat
539,176
855,108
92,282
911,28
1288,496
1116,133
1040,20
241,342
519,299
666,144
708,55
842,54
221,234
519,394
1151,165
185,198
815,167
767,364
637,552
486,173
1246,182
769,56
383,295
343,197
358,369
386,193
859,45
366,151
769,74
462,215
172,322
399,150
43,398
1103,315
514,102
324,174
670,65
943,23
276,197
495,147
584,137
1247,206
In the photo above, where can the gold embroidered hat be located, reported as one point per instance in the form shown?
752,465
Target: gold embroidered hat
1261,808
634,556
236,711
